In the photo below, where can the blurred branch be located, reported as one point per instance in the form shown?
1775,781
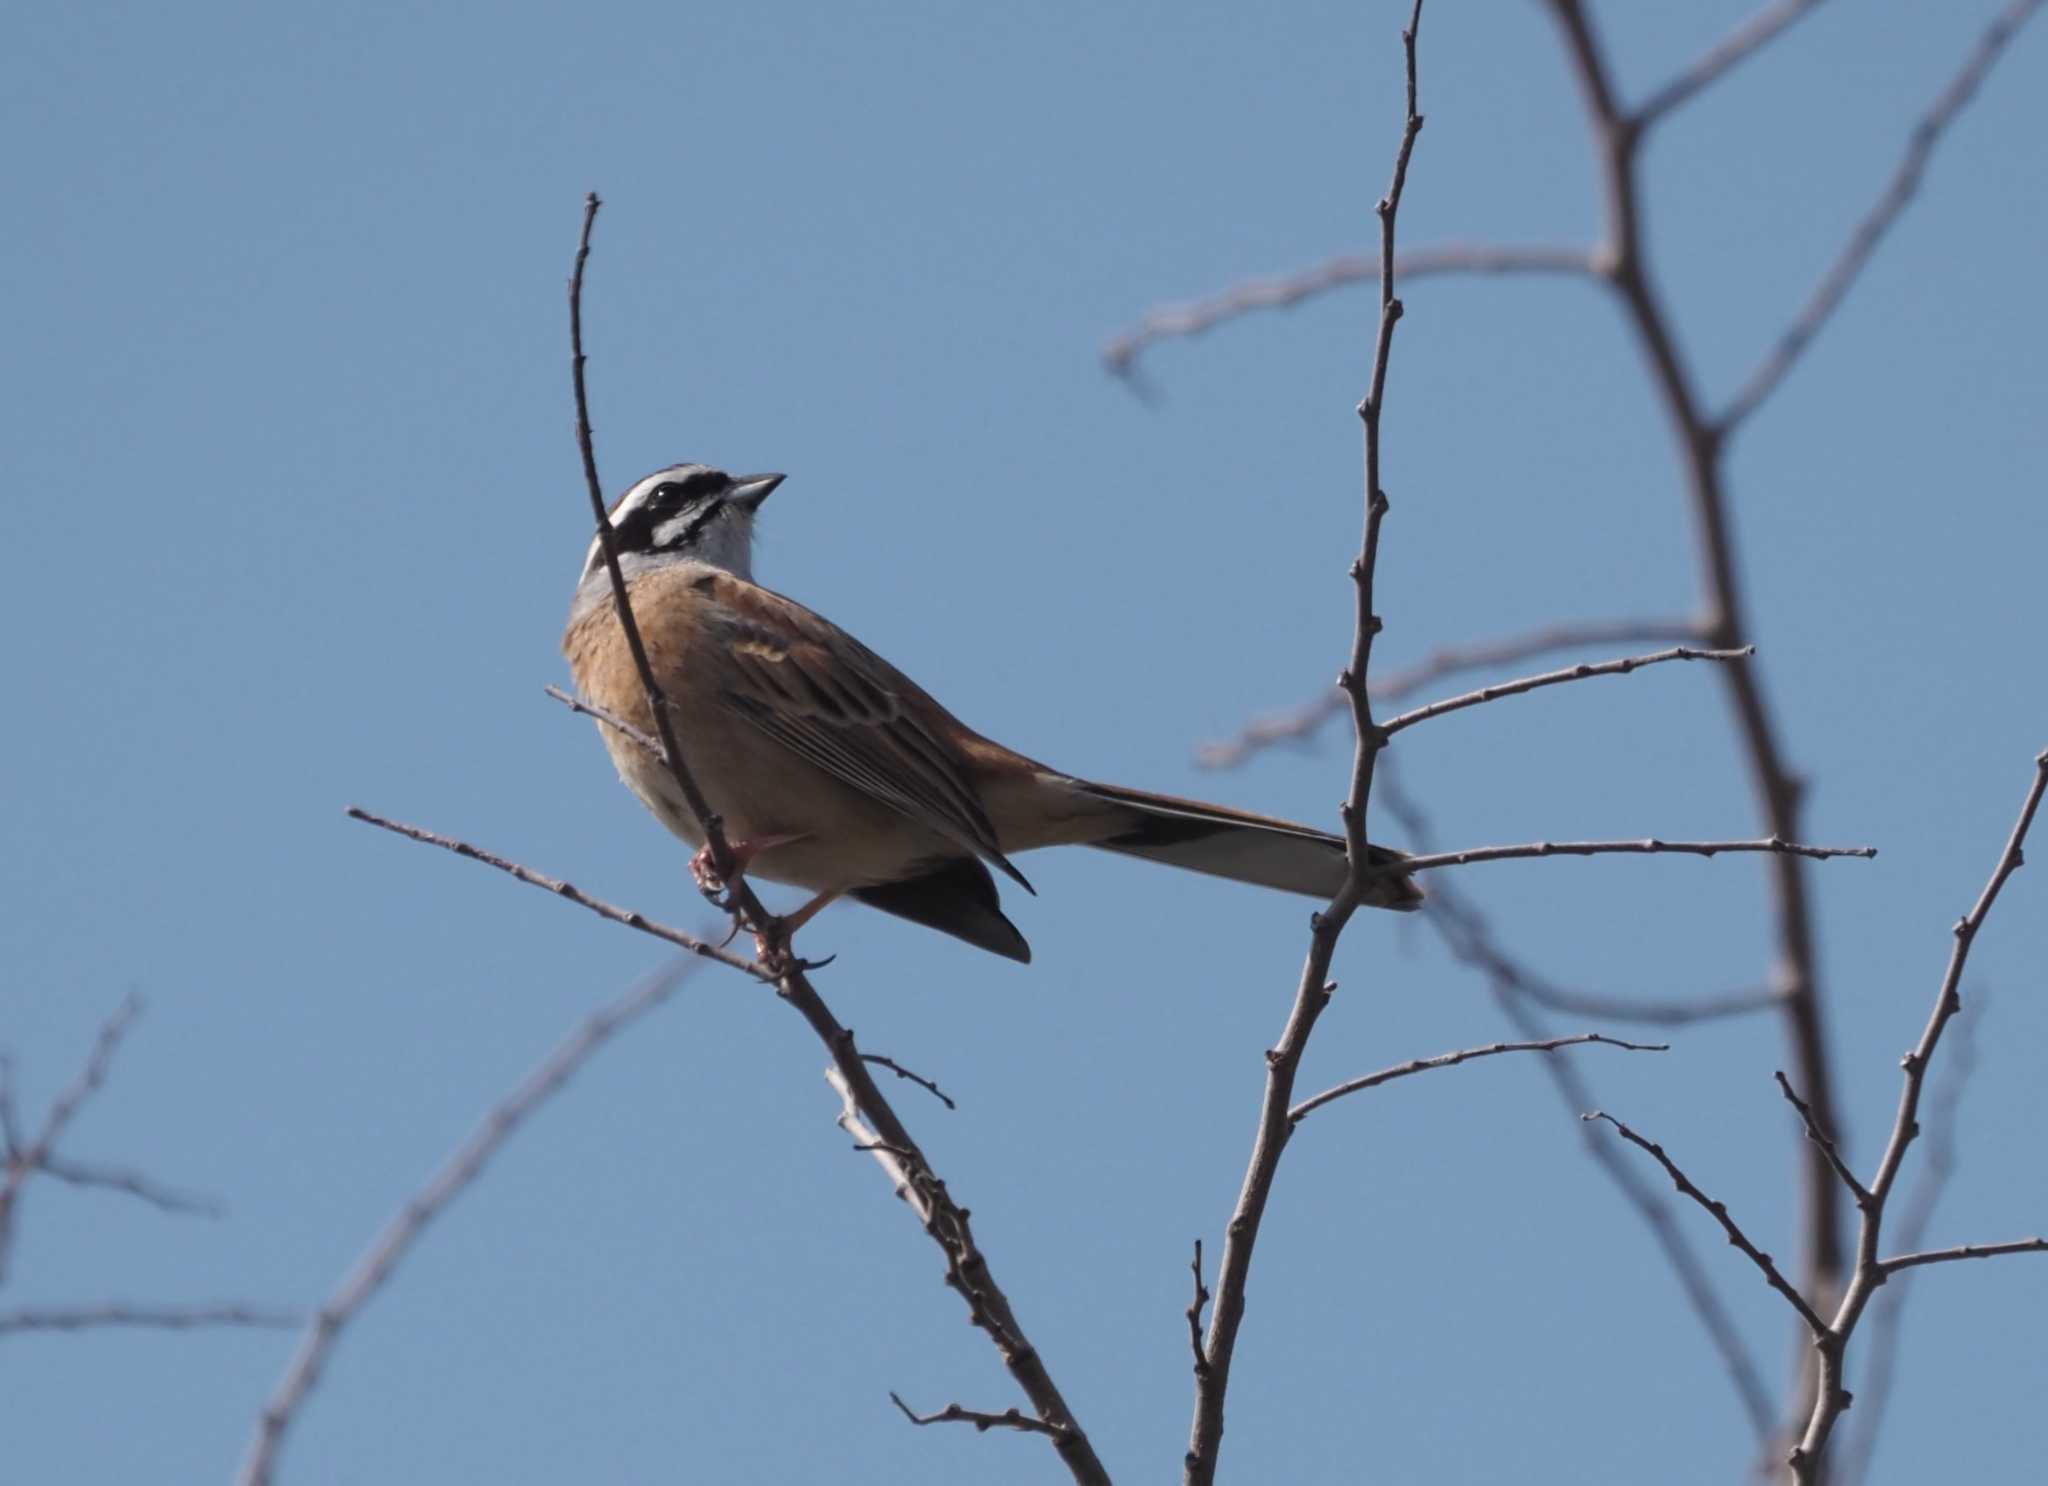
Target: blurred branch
1467,934
1744,42
133,1184
1889,1267
1583,672
151,1317
1312,994
1301,724
1863,239
1464,1055
1647,846
1283,291
455,1176
23,1161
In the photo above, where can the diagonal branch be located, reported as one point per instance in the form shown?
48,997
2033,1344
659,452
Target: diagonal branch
25,1161
1738,46
402,1234
1517,687
567,891
1825,1141
1868,232
969,1269
1464,1055
1719,1210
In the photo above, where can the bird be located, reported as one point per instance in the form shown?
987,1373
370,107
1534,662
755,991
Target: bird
835,772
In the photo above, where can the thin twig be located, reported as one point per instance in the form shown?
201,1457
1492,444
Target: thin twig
1312,993
1172,321
1646,846
1517,687
1719,1210
1849,1463
24,1162
1830,1398
611,720
1745,41
1463,1055
454,1177
148,1317
1194,1314
1825,1141
134,1184
565,890
952,1413
1893,1265
917,1078
1863,239
1466,933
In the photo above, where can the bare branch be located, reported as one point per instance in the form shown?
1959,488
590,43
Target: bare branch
134,1184
1963,1251
150,1317
1523,684
1169,322
1312,993
611,720
1647,846
952,1413
1825,1141
1463,1055
1719,1210
23,1162
1466,933
1905,180
1744,42
569,891
917,1078
967,1268
1850,1463
1302,724
456,1174
11,1137
1194,1314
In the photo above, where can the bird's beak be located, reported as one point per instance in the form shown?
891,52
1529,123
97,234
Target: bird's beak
748,491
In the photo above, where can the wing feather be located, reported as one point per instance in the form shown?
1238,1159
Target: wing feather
834,703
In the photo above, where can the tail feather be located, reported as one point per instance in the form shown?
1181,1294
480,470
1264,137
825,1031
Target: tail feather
1239,845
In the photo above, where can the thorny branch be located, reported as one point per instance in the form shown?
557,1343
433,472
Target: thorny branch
1313,993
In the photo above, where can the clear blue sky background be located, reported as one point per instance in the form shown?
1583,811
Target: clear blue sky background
295,512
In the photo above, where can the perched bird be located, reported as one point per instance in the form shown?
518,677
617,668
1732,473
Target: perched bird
833,770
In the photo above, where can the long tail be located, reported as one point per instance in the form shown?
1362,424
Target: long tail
1241,846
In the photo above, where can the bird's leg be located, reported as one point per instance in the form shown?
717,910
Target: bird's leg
771,944
705,872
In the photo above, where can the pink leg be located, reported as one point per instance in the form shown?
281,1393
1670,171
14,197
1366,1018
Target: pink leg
772,946
743,855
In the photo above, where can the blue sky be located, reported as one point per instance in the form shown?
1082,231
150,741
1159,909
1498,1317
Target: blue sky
297,512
